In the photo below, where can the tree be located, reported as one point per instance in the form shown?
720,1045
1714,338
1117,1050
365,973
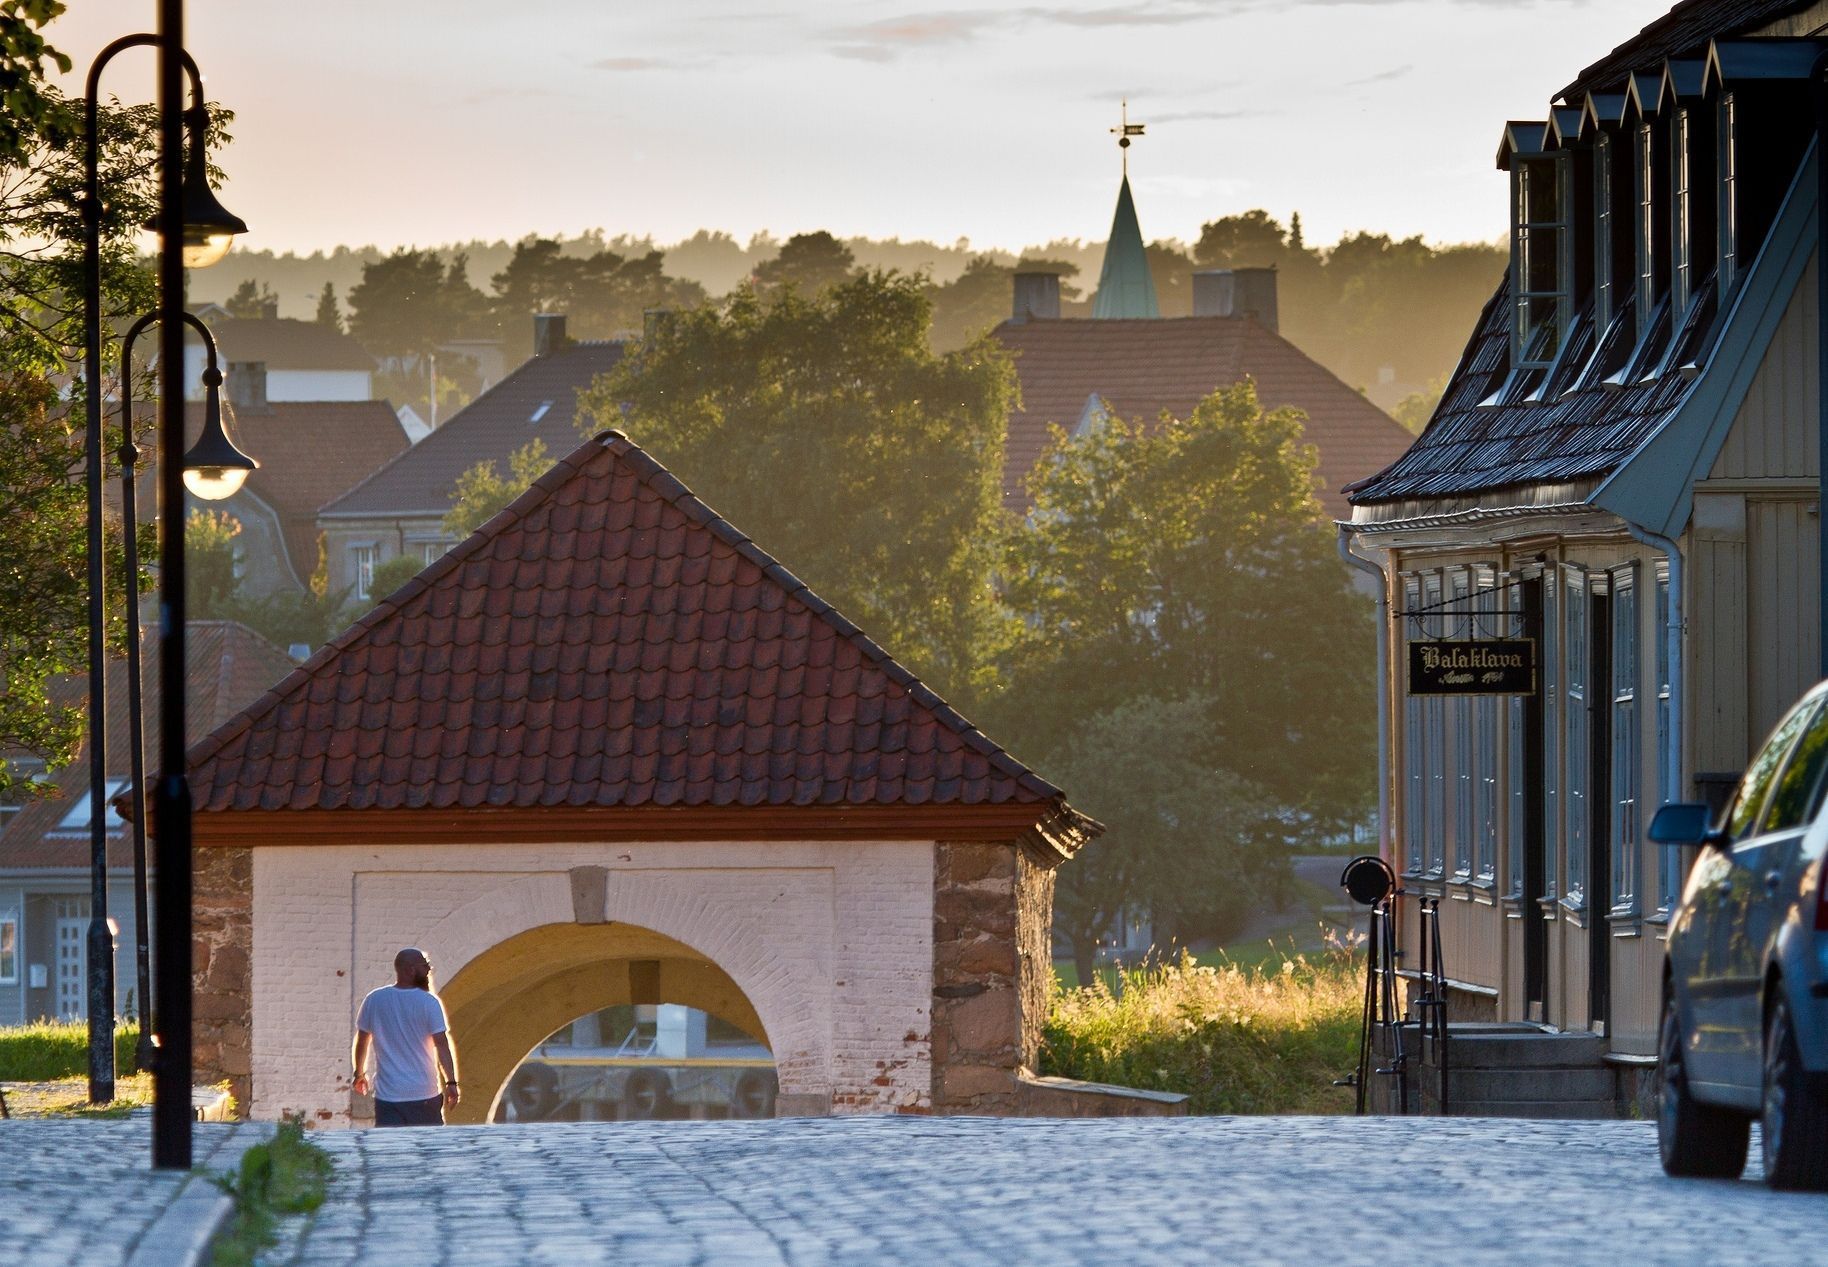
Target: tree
409,302
252,299
1184,839
1172,272
825,426
328,314
211,564
603,295
482,492
394,573
1193,552
981,297
808,262
1415,409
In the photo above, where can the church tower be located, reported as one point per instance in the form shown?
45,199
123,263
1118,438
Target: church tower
1125,288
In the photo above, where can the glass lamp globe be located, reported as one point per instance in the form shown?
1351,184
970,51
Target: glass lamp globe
214,483
214,468
203,249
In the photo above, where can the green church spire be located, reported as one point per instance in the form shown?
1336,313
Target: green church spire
1125,288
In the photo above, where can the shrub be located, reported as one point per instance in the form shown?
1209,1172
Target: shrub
46,1049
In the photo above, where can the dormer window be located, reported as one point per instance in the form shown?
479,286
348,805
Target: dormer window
1538,267
1605,301
1646,227
1681,233
1729,194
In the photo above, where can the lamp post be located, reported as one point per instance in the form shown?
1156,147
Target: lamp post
201,229
213,469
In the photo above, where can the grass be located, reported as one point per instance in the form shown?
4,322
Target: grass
48,1050
286,1175
1235,1037
69,1097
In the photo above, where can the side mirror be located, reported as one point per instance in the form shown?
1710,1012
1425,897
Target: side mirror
1684,824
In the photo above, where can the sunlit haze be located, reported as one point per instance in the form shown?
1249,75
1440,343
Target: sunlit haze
419,122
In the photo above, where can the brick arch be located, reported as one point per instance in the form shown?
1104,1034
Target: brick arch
535,952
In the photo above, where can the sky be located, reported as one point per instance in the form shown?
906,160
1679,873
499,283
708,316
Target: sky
419,122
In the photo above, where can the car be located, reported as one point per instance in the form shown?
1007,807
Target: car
1745,990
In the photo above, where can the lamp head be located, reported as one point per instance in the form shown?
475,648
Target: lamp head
210,228
215,469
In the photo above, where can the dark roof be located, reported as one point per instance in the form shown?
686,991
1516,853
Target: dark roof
286,343
230,667
1468,447
607,641
1141,368
1684,29
488,429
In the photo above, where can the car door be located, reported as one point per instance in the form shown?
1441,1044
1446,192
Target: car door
1768,868
1709,951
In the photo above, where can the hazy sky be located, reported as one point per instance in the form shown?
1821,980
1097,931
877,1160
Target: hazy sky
425,121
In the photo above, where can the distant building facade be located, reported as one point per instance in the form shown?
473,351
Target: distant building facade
302,360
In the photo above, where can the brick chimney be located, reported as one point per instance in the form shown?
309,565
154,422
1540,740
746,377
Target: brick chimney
1237,292
247,387
1037,295
548,333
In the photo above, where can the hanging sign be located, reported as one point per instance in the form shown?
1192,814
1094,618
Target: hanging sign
1498,667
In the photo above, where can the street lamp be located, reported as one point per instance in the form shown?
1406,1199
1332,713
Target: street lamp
214,225
220,455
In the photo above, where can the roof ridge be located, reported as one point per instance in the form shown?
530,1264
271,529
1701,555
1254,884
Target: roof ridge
683,498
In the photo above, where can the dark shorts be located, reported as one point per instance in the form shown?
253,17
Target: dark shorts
409,1112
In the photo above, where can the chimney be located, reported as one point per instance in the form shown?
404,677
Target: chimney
1212,292
269,310
247,387
1037,295
548,333
1253,294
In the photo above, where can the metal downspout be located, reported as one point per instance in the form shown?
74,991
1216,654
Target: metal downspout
1362,564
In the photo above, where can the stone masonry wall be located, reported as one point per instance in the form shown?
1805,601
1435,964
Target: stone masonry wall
983,990
222,948
1035,944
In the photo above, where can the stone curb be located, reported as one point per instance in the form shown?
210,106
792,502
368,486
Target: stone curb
181,1235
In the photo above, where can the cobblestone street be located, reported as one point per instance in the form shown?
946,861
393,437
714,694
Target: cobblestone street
979,1191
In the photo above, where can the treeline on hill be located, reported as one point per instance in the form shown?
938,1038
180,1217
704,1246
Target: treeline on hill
1386,315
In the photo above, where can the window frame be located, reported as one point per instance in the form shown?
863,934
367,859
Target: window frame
1645,224
1681,217
1727,165
1434,727
1626,756
1523,229
364,557
1487,801
1459,591
1577,733
1603,213
1668,864
1415,781
10,940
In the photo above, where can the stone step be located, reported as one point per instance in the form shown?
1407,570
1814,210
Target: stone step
1560,1109
1593,1082
1509,1047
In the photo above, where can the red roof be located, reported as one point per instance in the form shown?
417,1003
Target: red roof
230,667
607,641
1141,368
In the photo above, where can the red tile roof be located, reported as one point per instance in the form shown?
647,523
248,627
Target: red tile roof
286,343
231,666
607,642
1140,368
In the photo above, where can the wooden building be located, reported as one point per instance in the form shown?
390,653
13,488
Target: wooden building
1623,470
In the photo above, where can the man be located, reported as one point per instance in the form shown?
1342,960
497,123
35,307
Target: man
404,1023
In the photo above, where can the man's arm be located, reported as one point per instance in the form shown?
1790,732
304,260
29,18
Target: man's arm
447,1061
359,1058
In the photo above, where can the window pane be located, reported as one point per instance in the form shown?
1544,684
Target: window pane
1792,799
1575,803
1624,745
1757,781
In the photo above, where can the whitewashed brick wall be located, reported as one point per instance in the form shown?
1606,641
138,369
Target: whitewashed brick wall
832,942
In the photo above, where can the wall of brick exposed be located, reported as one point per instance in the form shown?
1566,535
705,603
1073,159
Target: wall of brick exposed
831,942
222,947
991,912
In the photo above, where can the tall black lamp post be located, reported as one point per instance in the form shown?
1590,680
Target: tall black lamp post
213,469
196,231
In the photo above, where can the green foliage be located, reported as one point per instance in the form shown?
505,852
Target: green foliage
603,295
328,314
30,109
409,302
210,563
394,573
251,299
983,295
285,1175
285,617
47,1050
482,492
826,427
1415,409
809,263
1265,1039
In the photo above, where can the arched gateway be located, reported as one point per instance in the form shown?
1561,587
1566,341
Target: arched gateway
607,750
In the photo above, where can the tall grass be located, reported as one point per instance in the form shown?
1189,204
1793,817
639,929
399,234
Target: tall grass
1235,1038
45,1050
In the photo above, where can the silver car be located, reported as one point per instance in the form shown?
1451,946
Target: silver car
1745,987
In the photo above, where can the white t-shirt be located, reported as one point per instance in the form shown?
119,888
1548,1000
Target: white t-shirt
403,1022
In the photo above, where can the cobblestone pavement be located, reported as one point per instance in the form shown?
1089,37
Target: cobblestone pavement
74,1191
1004,1193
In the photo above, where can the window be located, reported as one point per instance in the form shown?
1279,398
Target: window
1516,772
9,948
1743,814
361,564
1624,741
1462,709
1434,722
77,818
431,551
1646,228
540,411
1604,299
1539,279
1575,696
1667,862
1551,731
1485,728
1681,235
1796,796
1729,193
1414,751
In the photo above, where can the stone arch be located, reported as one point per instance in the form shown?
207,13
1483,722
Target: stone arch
535,952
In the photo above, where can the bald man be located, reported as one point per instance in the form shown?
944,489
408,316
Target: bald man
404,1025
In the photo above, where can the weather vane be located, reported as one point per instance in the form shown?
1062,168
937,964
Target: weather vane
1123,133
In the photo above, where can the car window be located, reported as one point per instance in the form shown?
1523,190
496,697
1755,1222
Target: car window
1793,796
1758,776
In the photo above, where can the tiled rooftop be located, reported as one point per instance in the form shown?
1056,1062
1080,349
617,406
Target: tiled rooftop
1684,29
606,641
286,343
1140,368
